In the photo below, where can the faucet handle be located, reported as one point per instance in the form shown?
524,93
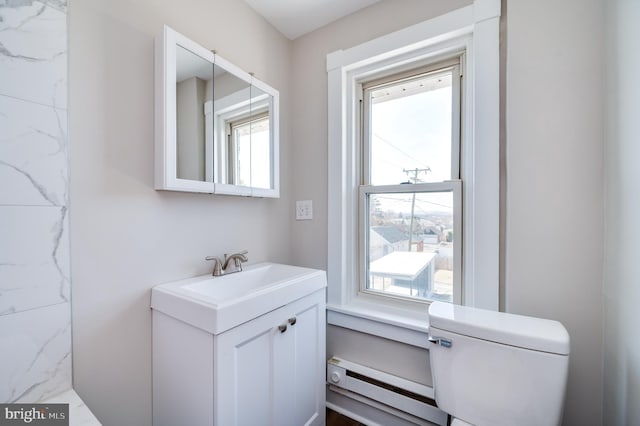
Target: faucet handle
237,258
240,253
217,265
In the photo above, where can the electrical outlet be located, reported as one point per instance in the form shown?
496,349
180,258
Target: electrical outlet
304,210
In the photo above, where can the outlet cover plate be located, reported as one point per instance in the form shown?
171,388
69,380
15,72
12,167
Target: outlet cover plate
304,210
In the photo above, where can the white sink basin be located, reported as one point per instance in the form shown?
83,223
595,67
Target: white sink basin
217,304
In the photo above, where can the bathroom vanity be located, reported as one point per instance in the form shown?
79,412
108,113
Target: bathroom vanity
242,349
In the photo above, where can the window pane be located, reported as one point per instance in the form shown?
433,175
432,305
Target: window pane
242,155
410,130
252,153
260,154
410,245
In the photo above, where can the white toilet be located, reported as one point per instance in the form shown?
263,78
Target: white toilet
493,368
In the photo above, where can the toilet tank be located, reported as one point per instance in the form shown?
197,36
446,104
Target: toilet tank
493,368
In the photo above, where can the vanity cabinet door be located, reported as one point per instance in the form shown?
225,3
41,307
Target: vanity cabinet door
271,370
300,365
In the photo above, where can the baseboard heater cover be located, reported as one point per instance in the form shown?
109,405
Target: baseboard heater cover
396,392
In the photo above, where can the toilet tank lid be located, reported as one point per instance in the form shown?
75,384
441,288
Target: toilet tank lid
500,327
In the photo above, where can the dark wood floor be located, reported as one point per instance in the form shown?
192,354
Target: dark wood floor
337,419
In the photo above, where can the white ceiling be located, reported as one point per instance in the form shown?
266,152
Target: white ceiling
294,18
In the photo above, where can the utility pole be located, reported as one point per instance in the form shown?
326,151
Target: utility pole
413,179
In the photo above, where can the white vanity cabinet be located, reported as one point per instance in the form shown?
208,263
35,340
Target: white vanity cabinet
271,370
267,371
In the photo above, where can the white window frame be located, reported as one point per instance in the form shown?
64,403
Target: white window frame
475,30
453,63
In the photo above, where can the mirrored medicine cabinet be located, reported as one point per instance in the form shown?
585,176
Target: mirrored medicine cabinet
216,125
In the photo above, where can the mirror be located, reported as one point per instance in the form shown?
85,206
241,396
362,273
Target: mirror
216,125
194,93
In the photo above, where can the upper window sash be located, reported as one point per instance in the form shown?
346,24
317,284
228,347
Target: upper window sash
451,66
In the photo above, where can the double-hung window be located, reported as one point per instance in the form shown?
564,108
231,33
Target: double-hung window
414,173
410,204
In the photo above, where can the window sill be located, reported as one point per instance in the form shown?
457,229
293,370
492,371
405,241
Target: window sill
401,325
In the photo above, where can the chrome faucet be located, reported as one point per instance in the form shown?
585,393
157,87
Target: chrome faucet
221,268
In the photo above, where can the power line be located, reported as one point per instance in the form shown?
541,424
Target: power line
398,149
389,162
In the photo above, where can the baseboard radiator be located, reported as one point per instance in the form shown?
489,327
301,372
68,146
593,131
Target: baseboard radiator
395,392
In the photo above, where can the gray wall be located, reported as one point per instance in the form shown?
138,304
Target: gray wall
622,210
190,133
125,236
554,172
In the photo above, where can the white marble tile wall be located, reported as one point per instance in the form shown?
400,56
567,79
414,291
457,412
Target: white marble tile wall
35,311
33,50
36,346
33,153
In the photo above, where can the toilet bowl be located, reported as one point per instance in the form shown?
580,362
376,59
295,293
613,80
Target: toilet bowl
493,368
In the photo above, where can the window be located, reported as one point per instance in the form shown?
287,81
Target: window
249,148
453,187
242,143
410,207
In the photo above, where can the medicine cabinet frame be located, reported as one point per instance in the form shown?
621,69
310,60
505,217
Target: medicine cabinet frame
217,149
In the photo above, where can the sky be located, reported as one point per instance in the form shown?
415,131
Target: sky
412,132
